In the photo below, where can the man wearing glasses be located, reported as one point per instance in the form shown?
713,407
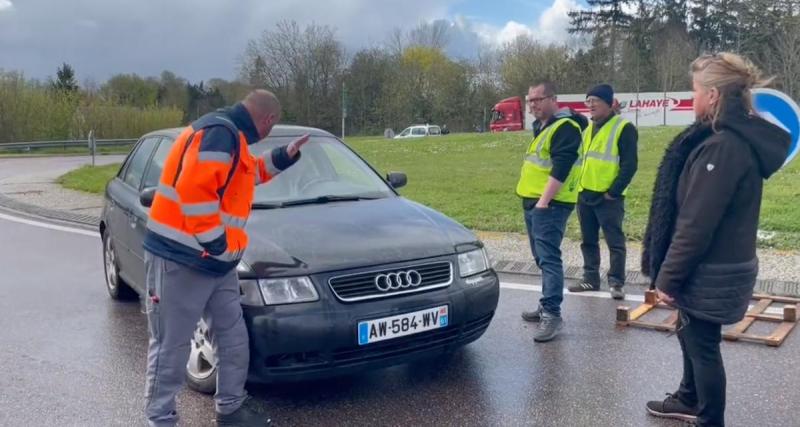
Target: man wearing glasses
610,160
548,186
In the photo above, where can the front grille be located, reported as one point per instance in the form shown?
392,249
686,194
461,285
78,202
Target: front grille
362,286
300,363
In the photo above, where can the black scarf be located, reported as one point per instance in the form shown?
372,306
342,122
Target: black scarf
663,207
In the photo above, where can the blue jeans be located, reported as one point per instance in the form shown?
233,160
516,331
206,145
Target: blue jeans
546,229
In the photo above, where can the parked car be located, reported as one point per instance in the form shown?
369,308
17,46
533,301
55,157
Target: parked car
342,273
419,131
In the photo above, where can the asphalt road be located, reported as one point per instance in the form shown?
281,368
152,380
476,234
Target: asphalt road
50,166
73,357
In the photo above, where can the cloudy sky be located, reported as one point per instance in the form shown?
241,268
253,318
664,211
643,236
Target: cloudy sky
202,39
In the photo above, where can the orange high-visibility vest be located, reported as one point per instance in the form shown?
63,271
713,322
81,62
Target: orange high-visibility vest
205,195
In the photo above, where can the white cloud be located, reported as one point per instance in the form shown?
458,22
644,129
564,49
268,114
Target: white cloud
554,22
6,5
551,27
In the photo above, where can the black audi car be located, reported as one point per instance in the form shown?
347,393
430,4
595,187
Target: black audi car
341,274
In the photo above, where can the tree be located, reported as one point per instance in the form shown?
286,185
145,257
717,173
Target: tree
65,79
304,67
673,52
524,61
132,90
787,44
368,79
607,21
172,91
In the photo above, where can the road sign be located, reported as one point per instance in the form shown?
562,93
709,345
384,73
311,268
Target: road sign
782,111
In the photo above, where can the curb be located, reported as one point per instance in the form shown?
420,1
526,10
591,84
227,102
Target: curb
47,213
771,287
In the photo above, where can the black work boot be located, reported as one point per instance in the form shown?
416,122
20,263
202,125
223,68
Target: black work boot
246,416
548,328
532,316
617,292
672,408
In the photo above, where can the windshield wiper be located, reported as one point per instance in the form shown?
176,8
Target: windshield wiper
262,205
325,199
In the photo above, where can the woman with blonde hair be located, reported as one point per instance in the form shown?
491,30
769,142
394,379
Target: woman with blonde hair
700,244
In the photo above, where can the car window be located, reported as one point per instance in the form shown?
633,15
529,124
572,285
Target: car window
157,164
418,131
434,130
326,168
406,132
137,163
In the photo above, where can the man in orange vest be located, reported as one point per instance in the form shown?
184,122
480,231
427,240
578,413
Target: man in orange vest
195,239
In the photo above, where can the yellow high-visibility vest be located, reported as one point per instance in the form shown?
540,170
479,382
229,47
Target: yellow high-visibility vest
600,155
538,164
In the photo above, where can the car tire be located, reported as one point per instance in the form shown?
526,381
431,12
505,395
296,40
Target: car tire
116,286
201,372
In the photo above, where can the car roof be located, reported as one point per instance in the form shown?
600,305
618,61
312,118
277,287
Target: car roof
277,131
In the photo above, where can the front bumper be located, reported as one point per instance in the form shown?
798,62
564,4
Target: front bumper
316,340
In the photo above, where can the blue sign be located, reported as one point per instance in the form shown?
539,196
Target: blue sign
782,111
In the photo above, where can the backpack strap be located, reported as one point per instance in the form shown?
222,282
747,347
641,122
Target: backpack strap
208,121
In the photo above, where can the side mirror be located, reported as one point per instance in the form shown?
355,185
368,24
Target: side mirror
397,179
146,196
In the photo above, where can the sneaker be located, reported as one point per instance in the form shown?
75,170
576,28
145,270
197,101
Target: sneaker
672,408
583,287
246,416
617,292
532,316
548,328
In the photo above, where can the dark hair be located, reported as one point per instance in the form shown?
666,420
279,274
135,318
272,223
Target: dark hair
550,88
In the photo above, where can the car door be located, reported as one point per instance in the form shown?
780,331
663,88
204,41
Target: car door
131,268
138,219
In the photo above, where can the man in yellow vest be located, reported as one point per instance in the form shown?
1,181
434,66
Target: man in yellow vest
548,186
610,160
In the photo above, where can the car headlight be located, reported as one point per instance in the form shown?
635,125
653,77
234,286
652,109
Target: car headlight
288,290
473,262
249,291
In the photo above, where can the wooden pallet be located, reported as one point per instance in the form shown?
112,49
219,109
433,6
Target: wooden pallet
628,317
786,322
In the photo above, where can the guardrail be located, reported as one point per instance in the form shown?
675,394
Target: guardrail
38,145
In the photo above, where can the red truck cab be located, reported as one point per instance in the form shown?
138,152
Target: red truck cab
508,115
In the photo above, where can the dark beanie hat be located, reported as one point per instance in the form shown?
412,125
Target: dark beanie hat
604,92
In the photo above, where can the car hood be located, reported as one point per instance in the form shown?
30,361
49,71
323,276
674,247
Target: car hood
310,239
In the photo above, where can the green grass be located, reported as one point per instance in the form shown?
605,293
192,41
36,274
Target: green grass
91,179
472,178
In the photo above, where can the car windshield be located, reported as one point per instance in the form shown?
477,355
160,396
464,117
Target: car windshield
326,171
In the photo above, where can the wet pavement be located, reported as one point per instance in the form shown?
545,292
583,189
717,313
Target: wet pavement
73,357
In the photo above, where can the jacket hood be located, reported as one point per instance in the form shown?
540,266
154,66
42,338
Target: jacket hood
770,143
566,112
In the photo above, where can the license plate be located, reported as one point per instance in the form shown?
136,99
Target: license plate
371,331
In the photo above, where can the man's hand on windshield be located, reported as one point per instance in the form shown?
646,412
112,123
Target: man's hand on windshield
294,146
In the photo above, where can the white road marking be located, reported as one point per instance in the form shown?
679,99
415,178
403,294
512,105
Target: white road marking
49,226
600,294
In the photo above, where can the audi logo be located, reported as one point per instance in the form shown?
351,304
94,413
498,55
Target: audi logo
398,280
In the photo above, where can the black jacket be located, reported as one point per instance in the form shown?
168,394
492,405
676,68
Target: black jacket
700,242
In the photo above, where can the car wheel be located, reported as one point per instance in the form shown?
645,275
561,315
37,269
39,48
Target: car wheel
117,288
201,371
